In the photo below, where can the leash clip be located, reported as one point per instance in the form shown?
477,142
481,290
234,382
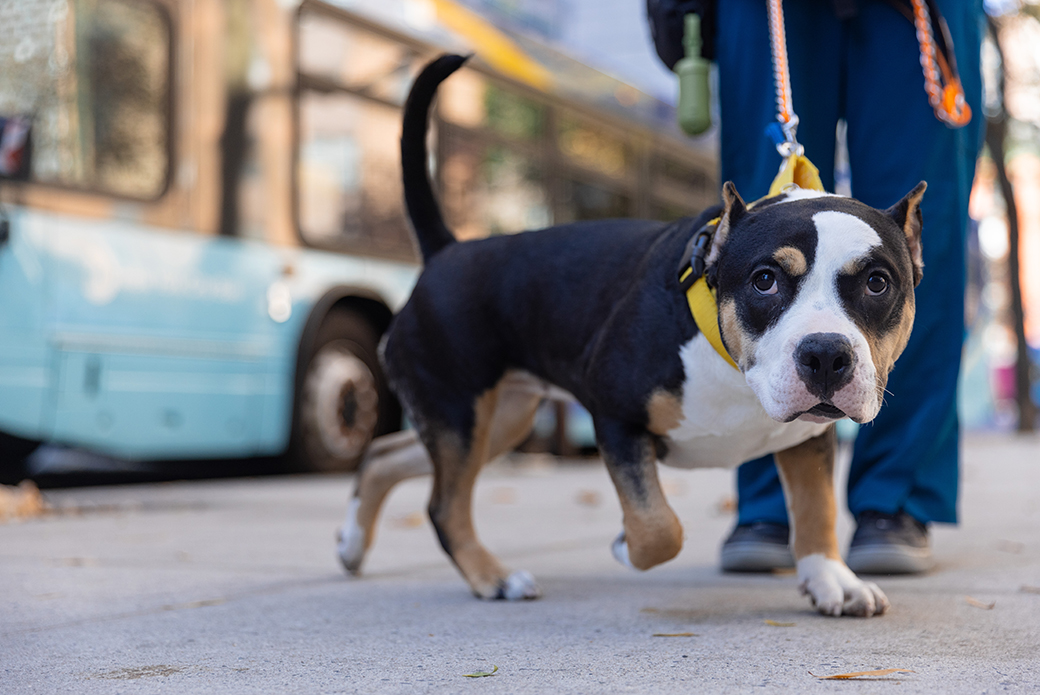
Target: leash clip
694,258
782,133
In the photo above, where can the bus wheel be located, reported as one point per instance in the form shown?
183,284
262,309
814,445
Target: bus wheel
13,452
342,396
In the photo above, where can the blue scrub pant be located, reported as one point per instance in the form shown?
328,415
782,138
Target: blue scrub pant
867,71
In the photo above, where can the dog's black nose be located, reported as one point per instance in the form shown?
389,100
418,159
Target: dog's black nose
825,362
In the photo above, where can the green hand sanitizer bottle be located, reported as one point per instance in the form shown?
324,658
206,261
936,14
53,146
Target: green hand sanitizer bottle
694,99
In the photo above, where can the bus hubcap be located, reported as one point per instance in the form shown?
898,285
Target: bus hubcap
344,401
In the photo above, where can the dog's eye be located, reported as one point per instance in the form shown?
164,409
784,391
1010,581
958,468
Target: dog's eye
765,282
877,284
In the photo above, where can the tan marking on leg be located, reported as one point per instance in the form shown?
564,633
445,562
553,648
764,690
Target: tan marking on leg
455,471
664,412
652,530
400,457
514,415
388,443
792,260
807,474
396,457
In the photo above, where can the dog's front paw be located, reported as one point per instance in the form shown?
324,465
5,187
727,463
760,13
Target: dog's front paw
835,590
350,541
520,586
619,548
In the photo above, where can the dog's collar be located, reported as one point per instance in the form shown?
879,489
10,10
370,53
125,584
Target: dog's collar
701,299
699,296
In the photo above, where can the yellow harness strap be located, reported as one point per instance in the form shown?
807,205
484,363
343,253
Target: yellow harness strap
799,171
796,170
701,299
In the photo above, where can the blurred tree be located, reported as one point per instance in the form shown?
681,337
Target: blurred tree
997,121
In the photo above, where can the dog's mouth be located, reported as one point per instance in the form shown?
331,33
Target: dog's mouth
826,410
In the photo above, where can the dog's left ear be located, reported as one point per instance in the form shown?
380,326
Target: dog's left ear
733,209
907,215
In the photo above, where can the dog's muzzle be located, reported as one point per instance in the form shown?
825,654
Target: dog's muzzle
825,363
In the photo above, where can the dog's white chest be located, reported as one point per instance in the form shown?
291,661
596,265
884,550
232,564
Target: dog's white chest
723,422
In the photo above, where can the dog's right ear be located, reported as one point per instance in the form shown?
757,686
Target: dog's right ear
732,211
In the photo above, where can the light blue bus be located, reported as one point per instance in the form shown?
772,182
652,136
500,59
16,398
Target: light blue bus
201,229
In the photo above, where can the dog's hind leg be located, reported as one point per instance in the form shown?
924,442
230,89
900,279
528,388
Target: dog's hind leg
457,462
396,457
652,532
807,472
390,460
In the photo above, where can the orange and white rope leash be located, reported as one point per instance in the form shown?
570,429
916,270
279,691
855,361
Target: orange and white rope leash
948,102
782,78
944,90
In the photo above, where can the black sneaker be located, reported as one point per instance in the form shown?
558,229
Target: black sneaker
757,547
889,544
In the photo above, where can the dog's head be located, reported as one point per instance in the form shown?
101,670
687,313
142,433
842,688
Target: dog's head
816,298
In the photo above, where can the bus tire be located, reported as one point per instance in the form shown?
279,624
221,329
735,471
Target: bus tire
13,453
343,400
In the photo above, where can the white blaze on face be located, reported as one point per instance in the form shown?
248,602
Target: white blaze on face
817,308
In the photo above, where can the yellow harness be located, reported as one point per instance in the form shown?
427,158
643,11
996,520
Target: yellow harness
796,171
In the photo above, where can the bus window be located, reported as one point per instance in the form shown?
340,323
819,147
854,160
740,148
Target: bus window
472,101
348,177
491,188
592,148
93,76
582,200
492,159
354,59
348,181
680,188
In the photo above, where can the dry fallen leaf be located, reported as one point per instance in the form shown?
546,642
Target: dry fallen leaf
1013,547
858,674
1030,589
979,604
204,603
587,498
413,520
503,495
674,634
681,614
673,488
482,674
776,624
726,505
21,502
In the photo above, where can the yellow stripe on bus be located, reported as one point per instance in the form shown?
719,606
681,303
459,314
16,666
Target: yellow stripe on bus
492,46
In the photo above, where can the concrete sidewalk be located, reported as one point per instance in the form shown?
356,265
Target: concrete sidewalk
233,586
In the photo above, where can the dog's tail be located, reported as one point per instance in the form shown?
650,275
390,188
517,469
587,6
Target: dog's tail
430,230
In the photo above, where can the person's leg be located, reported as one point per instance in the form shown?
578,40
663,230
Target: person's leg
906,461
749,159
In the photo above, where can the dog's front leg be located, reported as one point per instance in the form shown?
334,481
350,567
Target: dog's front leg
807,473
652,532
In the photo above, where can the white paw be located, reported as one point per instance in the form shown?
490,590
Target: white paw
835,590
520,585
620,550
350,540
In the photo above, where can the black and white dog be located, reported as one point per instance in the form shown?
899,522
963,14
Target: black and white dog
815,300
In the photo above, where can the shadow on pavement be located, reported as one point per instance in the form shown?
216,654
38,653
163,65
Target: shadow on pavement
52,467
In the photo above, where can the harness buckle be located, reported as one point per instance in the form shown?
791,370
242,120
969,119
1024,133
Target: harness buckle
694,258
